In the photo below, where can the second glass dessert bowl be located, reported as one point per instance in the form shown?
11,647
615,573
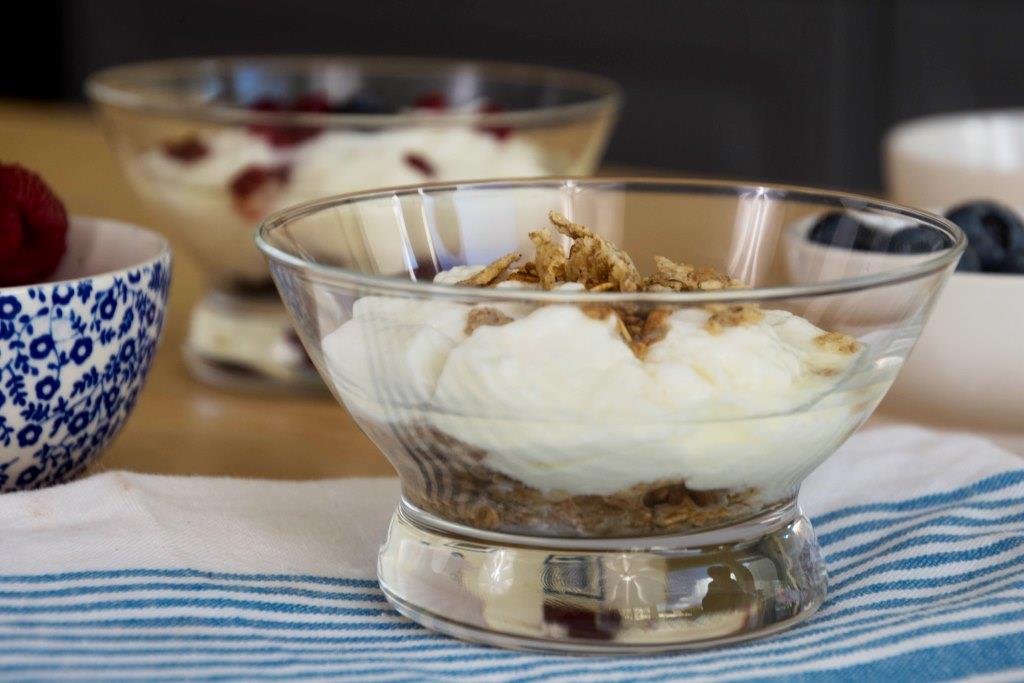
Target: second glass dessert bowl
213,145
601,396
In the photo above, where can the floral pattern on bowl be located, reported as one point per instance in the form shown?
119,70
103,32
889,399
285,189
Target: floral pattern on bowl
74,355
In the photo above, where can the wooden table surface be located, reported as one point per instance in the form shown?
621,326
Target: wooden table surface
179,425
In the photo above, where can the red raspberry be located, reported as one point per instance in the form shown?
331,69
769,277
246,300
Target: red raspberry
431,100
500,132
420,163
287,136
33,227
312,102
254,188
187,149
266,103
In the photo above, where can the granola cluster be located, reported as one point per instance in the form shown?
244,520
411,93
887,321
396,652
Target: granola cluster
595,263
448,478
736,315
837,342
600,266
491,273
681,277
485,315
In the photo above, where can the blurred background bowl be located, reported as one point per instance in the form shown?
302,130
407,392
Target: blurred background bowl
947,159
213,145
966,370
75,352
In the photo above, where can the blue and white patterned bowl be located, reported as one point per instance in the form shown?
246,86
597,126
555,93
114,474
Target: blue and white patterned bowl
75,352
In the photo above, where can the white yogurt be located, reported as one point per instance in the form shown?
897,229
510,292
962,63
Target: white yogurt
196,195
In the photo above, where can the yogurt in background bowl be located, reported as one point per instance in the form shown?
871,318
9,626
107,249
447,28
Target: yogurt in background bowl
208,200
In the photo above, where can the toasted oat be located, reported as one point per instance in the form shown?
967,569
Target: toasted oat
550,259
736,315
594,261
525,273
656,323
521,276
485,315
596,311
837,342
567,227
601,312
670,276
623,331
682,277
639,348
705,276
491,272
633,317
653,329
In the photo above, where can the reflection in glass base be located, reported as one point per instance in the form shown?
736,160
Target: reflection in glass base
247,343
622,596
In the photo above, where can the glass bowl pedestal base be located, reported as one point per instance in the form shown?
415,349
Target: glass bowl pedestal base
247,343
593,596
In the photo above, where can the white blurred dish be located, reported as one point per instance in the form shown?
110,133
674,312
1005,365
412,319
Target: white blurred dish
966,370
947,159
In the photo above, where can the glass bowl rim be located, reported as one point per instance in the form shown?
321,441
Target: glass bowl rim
103,87
394,285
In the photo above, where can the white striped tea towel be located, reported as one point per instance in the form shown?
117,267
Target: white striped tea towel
137,577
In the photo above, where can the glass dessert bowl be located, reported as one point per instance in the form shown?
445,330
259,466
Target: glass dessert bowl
601,396
214,145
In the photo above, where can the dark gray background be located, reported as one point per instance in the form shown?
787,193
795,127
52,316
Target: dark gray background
780,90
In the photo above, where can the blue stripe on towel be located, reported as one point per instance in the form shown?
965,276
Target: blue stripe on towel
215,587
996,482
924,588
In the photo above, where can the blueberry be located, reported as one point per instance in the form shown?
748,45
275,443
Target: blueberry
995,232
844,231
969,262
1015,263
917,240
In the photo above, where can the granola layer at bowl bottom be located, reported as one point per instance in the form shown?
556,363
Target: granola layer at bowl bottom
449,479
